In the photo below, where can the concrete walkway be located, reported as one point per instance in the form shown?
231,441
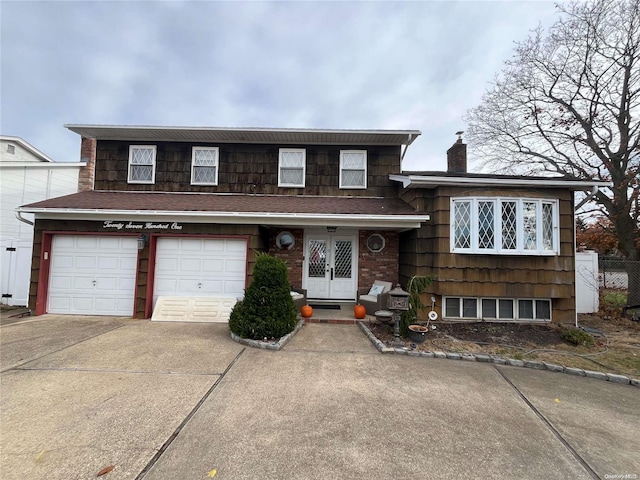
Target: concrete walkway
183,401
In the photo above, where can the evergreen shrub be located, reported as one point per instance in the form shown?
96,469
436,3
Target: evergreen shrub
267,310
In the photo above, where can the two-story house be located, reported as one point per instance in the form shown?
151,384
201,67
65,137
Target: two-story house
26,175
183,211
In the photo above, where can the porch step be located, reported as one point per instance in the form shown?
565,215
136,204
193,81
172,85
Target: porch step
342,321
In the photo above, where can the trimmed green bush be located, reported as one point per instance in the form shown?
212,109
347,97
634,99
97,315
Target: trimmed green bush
267,310
577,337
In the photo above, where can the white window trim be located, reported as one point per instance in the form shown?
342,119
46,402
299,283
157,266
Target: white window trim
516,310
350,187
153,164
193,165
304,167
497,226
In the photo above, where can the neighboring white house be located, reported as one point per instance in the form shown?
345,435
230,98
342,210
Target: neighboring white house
26,175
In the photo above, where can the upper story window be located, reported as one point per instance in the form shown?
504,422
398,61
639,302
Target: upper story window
353,169
11,149
291,167
514,226
142,164
204,165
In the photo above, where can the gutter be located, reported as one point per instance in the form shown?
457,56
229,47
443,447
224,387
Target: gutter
382,221
422,181
22,219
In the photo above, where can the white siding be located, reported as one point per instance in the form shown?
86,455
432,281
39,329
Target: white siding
23,185
24,179
20,154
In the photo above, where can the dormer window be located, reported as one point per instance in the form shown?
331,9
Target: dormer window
142,164
291,167
204,166
353,169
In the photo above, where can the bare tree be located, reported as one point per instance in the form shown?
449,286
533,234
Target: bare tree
568,102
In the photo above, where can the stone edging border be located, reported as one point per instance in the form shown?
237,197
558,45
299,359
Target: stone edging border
608,377
268,345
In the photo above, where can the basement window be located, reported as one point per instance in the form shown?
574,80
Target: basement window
498,309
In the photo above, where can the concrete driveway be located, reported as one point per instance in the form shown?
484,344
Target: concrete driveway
183,401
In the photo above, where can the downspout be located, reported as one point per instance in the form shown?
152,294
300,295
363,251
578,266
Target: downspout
22,219
594,191
409,138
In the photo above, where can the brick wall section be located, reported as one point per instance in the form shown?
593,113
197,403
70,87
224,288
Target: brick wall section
377,266
293,257
457,158
371,266
87,173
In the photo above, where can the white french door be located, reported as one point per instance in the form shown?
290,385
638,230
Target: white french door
330,269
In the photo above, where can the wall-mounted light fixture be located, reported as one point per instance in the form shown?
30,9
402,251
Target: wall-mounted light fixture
142,241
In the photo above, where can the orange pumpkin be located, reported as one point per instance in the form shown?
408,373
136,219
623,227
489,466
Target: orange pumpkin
359,311
306,311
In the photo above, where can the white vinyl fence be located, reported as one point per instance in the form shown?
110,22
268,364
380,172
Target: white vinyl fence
587,282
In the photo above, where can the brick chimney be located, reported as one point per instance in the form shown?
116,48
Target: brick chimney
88,155
457,156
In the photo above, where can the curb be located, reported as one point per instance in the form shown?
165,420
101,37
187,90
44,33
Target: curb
268,345
470,357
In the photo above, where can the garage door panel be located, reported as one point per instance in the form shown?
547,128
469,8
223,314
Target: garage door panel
166,264
60,282
92,275
187,285
190,264
232,287
235,266
112,262
189,245
212,286
82,304
86,242
234,246
214,246
60,262
59,303
212,265
166,284
86,262
82,283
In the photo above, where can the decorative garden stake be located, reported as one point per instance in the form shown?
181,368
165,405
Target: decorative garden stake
398,302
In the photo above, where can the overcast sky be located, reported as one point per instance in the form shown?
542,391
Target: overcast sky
334,65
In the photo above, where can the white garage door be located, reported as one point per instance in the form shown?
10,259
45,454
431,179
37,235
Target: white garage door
92,275
200,267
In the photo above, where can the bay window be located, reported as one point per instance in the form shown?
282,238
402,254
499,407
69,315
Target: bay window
504,226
